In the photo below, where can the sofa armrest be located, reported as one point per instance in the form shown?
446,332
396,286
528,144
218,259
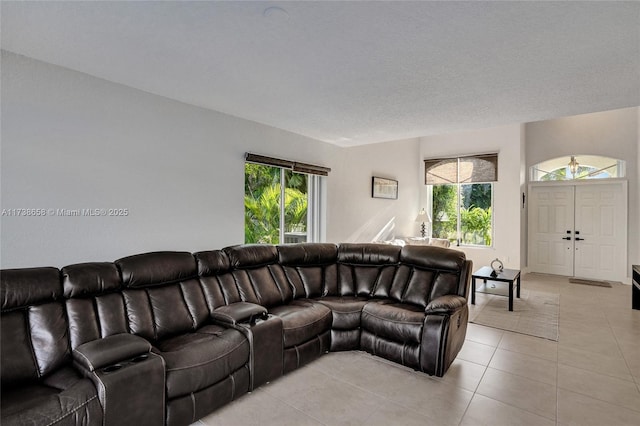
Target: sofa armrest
110,350
445,304
238,312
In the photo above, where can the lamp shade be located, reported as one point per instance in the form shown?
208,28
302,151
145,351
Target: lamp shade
423,216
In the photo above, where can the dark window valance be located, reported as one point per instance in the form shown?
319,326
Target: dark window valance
468,169
286,164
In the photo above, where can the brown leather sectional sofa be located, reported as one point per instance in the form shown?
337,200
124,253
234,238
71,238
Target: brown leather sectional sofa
167,337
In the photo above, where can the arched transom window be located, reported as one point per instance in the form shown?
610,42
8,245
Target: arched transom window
578,167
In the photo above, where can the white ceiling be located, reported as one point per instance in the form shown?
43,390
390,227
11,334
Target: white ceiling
350,72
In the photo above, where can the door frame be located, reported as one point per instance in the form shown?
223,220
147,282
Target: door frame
622,277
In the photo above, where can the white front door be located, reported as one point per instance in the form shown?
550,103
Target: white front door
579,229
551,229
600,231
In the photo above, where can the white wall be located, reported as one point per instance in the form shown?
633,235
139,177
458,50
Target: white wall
72,141
611,133
353,215
506,140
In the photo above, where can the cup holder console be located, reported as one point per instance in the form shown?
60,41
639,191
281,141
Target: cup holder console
112,368
140,358
118,366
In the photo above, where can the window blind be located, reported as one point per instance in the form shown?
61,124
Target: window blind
286,164
468,169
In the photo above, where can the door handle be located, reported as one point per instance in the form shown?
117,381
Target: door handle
568,238
579,239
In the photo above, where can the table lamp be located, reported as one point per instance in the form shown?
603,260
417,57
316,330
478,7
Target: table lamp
423,217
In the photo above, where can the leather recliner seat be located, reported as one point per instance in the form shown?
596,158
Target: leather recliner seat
206,363
177,335
39,384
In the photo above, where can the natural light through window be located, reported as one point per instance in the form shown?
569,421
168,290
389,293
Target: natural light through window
577,167
270,181
461,192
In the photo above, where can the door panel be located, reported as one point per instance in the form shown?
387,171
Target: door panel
600,222
551,210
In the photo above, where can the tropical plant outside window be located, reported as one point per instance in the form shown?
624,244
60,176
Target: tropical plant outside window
265,215
462,198
578,167
471,224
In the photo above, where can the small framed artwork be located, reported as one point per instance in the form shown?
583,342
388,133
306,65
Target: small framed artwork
384,188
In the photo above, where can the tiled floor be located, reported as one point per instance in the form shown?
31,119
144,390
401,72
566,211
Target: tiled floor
590,377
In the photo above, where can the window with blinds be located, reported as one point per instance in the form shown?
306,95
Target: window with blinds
461,192
282,200
471,169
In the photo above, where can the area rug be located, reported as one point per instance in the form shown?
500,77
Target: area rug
590,282
534,313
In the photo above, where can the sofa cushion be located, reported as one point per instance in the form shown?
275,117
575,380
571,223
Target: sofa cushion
368,254
157,268
64,398
197,360
399,322
29,286
310,268
95,306
307,254
366,269
302,320
251,255
447,266
35,342
88,279
346,311
34,333
257,276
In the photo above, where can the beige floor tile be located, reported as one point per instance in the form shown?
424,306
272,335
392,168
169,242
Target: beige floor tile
365,371
332,402
605,388
600,342
630,349
485,335
529,345
609,365
568,323
258,408
528,366
626,335
485,411
394,414
443,403
302,380
463,374
579,410
575,311
530,395
627,318
476,352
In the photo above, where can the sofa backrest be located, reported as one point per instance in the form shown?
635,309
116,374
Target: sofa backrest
310,268
217,281
427,272
95,305
366,269
257,274
35,340
162,294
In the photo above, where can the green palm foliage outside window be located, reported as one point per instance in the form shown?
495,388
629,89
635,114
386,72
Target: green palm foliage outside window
263,207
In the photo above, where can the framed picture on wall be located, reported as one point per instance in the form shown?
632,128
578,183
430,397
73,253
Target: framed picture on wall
384,188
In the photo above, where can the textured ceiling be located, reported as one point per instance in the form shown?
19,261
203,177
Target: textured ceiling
350,72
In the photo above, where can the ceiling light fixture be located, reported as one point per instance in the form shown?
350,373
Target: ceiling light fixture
276,13
573,166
